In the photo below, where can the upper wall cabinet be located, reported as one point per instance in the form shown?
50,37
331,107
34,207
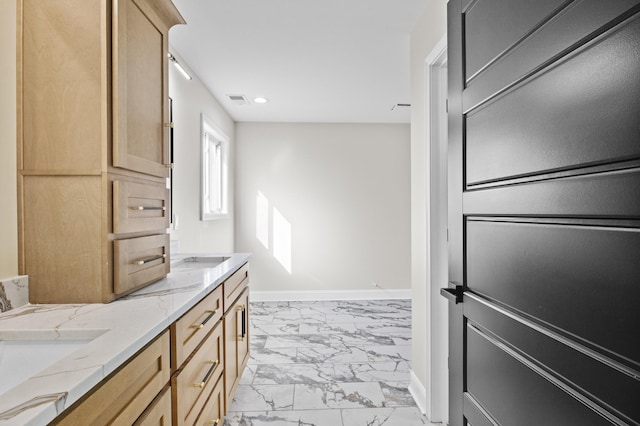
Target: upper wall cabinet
141,111
93,135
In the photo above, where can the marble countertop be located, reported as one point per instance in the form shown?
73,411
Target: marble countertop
122,328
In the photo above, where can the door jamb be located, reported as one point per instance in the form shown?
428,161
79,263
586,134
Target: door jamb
437,407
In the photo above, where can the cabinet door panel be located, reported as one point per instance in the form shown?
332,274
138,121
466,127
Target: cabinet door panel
140,89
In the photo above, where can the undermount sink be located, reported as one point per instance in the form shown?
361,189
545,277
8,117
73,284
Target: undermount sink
25,353
197,262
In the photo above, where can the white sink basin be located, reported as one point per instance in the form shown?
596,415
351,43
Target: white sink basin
198,262
25,353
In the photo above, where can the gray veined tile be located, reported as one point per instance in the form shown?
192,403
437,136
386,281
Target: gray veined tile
275,329
338,395
255,320
267,308
297,341
332,354
328,328
297,318
289,418
274,356
401,416
389,371
397,394
247,375
294,373
263,398
388,353
361,338
257,342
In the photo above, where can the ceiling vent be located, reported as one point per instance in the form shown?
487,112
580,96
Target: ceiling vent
238,99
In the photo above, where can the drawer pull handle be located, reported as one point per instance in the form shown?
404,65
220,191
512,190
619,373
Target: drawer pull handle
206,320
213,422
151,259
201,384
243,320
141,208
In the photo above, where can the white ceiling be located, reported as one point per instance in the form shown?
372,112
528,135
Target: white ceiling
315,60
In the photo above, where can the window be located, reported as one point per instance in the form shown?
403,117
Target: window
214,180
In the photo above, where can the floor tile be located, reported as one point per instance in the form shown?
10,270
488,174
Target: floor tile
401,416
288,418
263,397
294,373
334,363
338,395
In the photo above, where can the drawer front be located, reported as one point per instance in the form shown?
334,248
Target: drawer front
213,411
158,413
121,399
139,261
139,207
194,326
193,385
235,284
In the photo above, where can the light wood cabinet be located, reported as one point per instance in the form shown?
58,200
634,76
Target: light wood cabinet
186,376
236,344
210,349
93,148
124,397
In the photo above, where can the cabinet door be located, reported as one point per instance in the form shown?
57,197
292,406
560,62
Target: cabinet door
140,106
236,344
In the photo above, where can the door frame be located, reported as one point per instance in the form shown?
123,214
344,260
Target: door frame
437,405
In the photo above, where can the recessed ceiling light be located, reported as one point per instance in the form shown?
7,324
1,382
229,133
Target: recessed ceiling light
260,100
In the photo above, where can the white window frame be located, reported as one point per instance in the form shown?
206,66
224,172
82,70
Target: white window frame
214,171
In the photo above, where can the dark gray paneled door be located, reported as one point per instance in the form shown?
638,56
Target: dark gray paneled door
544,212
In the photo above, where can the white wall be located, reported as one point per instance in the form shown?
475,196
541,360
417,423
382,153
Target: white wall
429,29
190,99
8,189
344,190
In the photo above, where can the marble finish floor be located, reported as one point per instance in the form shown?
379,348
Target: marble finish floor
333,363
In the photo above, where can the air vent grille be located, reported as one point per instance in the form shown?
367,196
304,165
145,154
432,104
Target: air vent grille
238,99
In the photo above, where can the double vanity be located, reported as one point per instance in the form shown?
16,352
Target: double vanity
170,353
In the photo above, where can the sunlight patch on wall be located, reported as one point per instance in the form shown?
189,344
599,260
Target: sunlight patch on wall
282,240
262,219
281,228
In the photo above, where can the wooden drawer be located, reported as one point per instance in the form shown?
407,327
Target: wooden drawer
213,412
139,207
194,326
139,261
235,284
193,385
123,397
159,412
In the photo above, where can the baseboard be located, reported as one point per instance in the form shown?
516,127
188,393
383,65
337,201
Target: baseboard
419,392
290,296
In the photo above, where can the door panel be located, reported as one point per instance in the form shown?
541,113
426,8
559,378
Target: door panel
551,122
534,397
492,27
568,30
544,212
539,270
611,383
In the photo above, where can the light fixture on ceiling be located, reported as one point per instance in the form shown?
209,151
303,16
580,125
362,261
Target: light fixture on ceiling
260,100
179,67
